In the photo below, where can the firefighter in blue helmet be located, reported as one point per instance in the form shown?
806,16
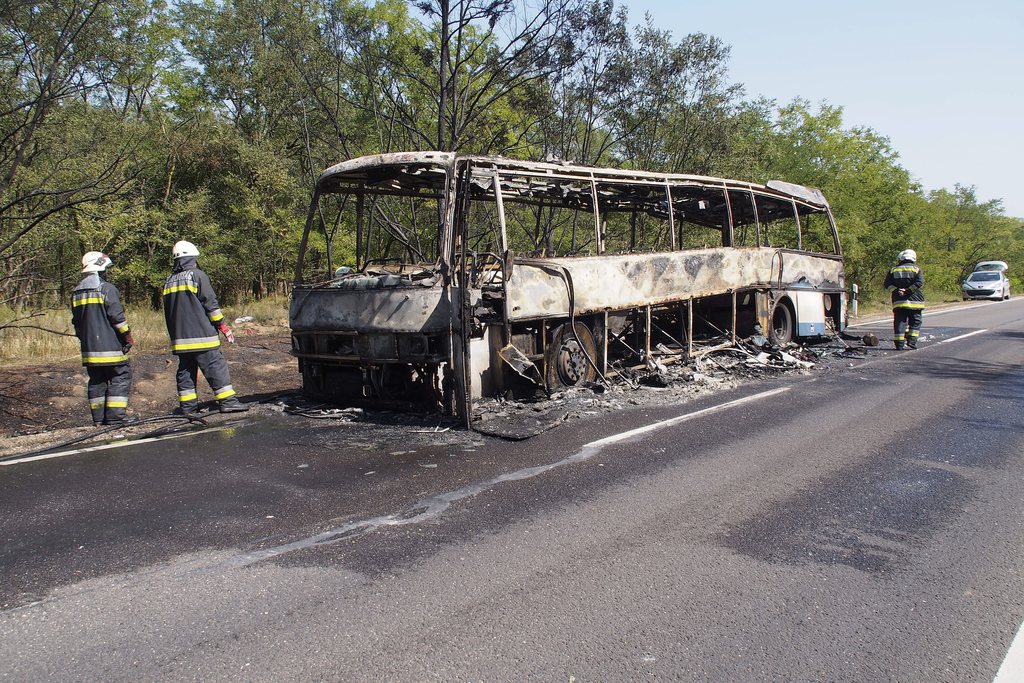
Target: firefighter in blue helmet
101,327
905,282
193,319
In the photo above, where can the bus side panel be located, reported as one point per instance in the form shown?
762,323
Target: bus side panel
626,281
810,312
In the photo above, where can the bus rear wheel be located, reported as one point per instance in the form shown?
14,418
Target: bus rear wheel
569,358
782,331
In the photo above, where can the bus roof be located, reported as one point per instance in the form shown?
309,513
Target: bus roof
413,171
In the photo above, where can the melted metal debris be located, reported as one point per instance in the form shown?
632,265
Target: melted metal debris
658,383
661,382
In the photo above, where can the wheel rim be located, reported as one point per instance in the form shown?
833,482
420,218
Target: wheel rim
572,362
569,358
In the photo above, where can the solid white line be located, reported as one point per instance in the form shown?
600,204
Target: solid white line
616,438
929,314
962,336
1012,670
107,446
943,311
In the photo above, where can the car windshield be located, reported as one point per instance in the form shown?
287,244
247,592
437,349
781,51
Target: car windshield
989,276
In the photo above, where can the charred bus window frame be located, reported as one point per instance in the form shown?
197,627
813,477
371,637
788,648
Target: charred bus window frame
655,293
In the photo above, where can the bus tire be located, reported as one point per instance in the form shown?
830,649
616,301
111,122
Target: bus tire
783,324
569,358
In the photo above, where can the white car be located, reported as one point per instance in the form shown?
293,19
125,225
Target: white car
986,284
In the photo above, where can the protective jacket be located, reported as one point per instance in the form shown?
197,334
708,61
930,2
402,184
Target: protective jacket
906,276
191,310
98,317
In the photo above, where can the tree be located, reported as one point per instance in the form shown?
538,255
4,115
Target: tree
57,61
578,103
956,232
873,198
477,54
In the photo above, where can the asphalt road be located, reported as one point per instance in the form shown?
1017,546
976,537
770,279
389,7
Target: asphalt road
860,524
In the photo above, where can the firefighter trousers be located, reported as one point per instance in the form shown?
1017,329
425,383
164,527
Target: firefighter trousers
215,370
109,386
906,326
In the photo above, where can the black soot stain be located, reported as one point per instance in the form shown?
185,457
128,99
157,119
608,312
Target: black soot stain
871,521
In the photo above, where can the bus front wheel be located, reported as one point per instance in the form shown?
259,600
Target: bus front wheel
782,331
569,358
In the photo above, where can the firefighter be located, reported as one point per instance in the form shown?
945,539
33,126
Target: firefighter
101,327
193,319
905,282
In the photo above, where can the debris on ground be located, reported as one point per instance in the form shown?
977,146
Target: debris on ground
266,372
660,381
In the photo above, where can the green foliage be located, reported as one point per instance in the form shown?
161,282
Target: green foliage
126,125
957,231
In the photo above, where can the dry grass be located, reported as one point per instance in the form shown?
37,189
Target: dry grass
43,336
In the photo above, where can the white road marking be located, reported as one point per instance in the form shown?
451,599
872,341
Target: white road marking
616,438
1012,669
944,311
107,446
962,336
928,313
430,508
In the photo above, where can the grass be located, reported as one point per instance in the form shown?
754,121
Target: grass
46,336
33,346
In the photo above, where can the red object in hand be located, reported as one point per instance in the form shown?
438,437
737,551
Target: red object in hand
226,331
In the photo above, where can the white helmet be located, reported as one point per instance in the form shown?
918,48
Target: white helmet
907,255
184,248
95,261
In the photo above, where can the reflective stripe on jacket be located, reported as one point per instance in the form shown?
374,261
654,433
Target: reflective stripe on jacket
99,320
190,308
906,276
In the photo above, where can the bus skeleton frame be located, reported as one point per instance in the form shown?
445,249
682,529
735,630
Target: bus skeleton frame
483,322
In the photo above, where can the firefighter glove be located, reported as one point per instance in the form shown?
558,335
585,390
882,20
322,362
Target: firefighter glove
127,341
226,331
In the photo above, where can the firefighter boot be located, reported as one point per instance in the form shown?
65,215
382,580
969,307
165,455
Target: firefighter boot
232,405
122,421
187,408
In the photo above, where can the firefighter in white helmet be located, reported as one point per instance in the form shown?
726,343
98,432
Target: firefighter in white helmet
906,282
193,319
102,330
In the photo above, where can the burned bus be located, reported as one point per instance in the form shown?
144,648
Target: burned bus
433,279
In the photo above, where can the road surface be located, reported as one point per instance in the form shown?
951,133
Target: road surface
860,524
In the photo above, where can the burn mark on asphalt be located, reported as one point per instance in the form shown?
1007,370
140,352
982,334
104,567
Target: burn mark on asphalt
873,525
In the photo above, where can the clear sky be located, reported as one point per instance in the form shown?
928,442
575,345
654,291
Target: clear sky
943,80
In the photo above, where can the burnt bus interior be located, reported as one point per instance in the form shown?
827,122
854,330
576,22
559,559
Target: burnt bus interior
426,226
